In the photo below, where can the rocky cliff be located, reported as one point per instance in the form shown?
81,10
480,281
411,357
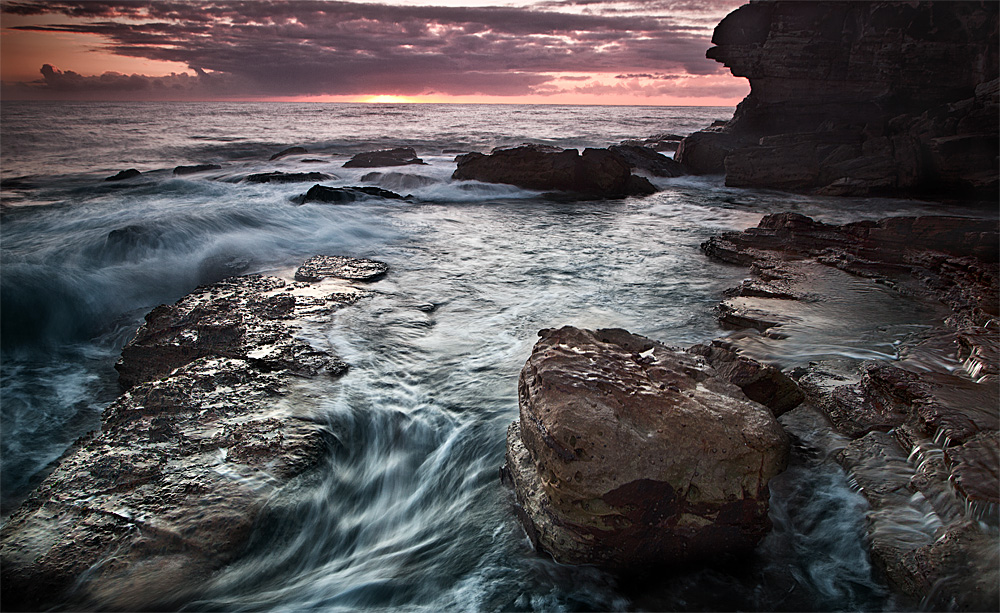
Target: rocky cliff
859,98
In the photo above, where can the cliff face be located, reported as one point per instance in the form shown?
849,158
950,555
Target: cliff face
859,98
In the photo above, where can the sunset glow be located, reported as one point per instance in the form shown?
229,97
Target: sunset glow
598,52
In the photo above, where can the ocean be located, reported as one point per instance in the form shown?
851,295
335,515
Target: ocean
407,512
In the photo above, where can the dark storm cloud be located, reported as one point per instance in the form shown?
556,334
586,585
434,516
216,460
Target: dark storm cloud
306,47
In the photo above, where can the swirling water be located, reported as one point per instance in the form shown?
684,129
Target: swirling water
406,511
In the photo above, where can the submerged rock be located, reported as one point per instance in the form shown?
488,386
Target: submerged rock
856,98
598,172
139,515
630,454
400,156
398,180
188,170
124,174
344,195
339,267
289,151
288,177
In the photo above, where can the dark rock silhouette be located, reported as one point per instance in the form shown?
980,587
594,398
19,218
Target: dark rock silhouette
288,177
344,195
188,170
598,172
857,98
124,174
400,156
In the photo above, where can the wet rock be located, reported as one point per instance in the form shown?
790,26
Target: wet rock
597,172
761,383
139,515
854,98
344,195
925,548
648,160
400,156
189,170
234,318
339,267
124,174
630,454
288,177
289,151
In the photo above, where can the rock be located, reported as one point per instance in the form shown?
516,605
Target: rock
187,170
139,515
598,172
231,318
398,180
339,267
946,562
648,160
859,98
761,383
344,195
629,454
400,156
124,174
289,151
704,152
288,177
657,142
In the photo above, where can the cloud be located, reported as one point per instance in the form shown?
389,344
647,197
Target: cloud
300,48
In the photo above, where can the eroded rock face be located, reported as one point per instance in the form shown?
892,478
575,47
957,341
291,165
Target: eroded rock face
141,513
648,160
629,454
855,98
596,172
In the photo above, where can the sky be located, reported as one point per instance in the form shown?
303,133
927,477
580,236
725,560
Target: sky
649,52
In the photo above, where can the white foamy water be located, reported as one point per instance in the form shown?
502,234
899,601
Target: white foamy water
407,510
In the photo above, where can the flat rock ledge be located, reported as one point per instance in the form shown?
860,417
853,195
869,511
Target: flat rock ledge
140,514
922,445
632,455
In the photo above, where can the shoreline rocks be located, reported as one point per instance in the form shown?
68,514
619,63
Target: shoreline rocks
138,515
921,439
859,98
131,173
629,454
595,173
288,177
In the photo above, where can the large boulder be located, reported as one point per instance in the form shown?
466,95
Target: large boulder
139,515
597,172
630,454
344,195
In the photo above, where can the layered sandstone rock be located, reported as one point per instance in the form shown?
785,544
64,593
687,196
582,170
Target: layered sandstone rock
853,98
629,453
140,514
923,445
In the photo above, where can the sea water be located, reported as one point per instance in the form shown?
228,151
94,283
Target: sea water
407,510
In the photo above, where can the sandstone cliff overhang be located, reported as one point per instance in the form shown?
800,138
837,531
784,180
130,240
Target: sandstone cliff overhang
859,98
